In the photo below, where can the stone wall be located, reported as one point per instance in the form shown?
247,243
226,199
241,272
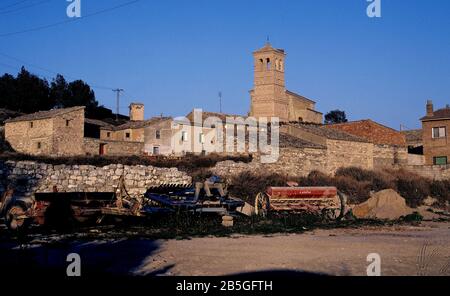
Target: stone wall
92,147
435,172
347,153
292,161
387,155
415,159
32,177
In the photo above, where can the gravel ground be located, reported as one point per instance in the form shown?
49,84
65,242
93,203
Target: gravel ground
404,250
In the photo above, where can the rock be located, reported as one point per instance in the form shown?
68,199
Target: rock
430,201
385,205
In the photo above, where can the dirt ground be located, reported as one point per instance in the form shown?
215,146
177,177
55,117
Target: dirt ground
404,250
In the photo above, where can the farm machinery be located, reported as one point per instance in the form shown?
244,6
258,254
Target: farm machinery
325,201
61,208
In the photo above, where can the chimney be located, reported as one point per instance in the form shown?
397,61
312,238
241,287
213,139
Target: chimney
136,112
430,110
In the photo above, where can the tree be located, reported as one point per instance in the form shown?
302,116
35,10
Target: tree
335,116
59,91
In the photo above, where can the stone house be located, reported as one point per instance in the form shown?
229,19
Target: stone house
435,127
389,144
58,132
270,98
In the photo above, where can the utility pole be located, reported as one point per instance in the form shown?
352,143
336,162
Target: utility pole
220,101
117,91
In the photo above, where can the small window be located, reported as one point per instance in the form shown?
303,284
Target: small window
108,135
439,132
127,135
158,134
39,145
156,150
67,122
183,136
440,160
201,138
31,124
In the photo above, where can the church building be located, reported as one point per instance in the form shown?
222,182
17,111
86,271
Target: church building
270,98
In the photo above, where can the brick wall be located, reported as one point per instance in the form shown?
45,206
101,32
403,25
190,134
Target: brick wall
435,147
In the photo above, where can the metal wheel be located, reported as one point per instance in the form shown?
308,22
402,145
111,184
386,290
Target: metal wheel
262,204
16,217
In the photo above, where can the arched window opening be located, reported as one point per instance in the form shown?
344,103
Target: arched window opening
269,64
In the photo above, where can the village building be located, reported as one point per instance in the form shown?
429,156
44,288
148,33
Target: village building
389,145
58,132
435,127
270,98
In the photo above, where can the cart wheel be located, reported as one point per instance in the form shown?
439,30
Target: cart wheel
15,217
262,204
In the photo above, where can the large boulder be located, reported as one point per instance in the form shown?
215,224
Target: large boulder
385,205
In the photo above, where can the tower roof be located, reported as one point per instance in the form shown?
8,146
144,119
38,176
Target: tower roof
268,48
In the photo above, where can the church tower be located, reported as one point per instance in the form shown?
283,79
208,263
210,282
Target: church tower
268,97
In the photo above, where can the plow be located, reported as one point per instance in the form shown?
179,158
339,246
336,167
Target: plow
67,208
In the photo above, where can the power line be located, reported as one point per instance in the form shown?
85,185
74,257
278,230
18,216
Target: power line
24,7
94,85
70,20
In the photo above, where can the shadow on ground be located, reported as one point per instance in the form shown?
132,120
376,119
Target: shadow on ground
98,258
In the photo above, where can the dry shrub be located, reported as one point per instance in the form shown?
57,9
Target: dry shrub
247,185
412,187
441,191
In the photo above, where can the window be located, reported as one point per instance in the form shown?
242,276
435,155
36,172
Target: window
158,134
39,145
440,160
183,136
201,138
31,124
108,135
156,150
67,122
269,64
439,132
127,135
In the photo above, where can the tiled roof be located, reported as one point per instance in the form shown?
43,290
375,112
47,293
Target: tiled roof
288,141
438,114
413,136
136,124
45,114
321,130
97,122
6,114
372,131
299,96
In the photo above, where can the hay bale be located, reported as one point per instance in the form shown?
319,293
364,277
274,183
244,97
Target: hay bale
385,205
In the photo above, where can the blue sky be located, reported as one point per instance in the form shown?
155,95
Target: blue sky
175,55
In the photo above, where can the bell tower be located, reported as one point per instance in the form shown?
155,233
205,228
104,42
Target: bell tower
268,97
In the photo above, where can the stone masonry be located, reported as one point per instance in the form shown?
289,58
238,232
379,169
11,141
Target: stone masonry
32,177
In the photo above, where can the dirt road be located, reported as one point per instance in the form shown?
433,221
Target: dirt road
404,250
334,252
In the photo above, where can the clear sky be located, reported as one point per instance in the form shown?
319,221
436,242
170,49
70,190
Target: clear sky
175,55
